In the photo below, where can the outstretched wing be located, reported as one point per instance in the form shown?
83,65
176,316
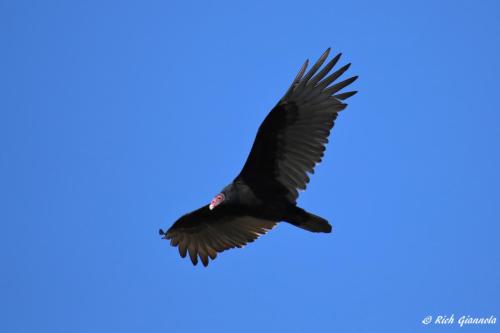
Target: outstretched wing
204,233
292,138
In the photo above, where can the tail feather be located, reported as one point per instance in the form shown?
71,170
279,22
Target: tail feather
307,221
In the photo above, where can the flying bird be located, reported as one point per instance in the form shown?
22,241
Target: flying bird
289,144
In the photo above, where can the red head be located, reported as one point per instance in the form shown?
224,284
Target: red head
217,200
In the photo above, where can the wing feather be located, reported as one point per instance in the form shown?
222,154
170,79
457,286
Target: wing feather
204,233
345,95
292,138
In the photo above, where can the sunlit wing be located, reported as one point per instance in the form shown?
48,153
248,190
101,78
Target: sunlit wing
204,233
292,138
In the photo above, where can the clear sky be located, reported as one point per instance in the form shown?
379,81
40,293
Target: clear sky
117,117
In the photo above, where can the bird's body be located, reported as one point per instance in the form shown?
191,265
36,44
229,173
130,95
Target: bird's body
289,143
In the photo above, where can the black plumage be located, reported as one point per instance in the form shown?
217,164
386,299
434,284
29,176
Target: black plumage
289,143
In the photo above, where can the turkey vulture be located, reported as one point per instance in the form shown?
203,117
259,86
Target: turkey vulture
288,145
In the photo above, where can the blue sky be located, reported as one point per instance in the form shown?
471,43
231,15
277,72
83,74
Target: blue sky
117,117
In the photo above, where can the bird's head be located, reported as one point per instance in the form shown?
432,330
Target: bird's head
217,200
